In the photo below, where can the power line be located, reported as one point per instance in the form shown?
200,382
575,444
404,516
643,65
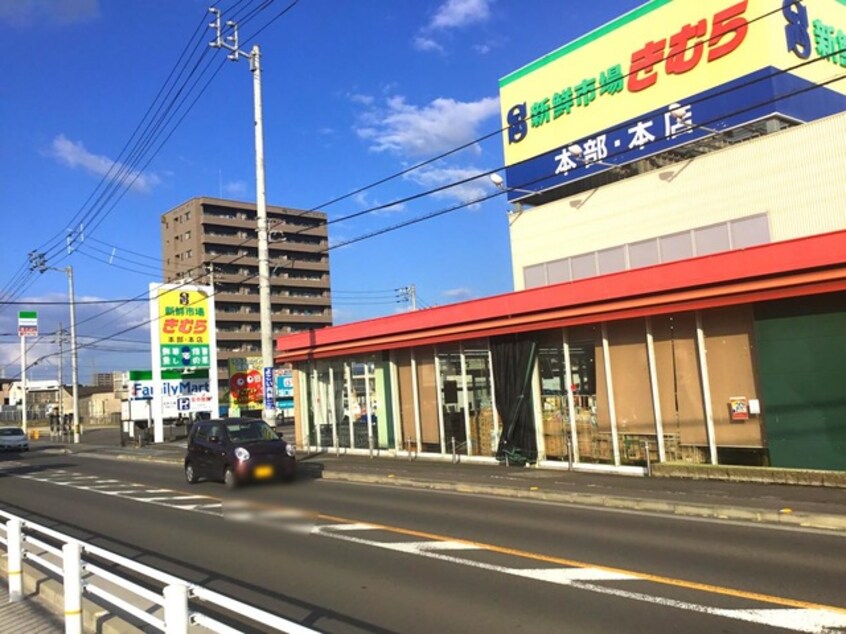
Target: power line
478,200
124,172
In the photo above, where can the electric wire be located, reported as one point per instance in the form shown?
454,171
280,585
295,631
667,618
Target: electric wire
434,214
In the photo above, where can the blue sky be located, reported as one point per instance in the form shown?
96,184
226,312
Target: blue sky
354,91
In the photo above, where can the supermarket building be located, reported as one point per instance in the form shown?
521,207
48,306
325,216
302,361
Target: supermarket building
678,242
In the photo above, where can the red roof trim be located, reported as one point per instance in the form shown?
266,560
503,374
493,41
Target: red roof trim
527,310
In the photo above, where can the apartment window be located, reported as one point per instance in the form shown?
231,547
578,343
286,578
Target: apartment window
713,239
612,260
677,246
187,215
558,271
187,235
748,232
189,253
643,254
583,266
534,275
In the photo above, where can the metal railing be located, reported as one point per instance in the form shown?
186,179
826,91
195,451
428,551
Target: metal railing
73,562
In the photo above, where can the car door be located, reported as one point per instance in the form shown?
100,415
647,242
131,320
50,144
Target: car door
216,450
198,450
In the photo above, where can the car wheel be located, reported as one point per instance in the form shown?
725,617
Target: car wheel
190,474
229,478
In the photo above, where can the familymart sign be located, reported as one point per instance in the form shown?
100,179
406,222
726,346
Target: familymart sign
28,323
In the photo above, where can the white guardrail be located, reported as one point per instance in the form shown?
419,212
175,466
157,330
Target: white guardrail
170,611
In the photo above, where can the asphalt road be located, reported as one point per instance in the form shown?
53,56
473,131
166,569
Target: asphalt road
382,559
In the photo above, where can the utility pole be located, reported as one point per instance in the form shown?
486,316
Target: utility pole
61,404
230,43
39,261
409,294
23,383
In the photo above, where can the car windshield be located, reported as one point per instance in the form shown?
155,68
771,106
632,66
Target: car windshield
250,431
11,432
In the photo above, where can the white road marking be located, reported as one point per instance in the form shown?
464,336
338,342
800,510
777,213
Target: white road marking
419,547
348,527
566,576
799,620
814,621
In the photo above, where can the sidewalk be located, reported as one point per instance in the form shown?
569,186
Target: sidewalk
794,505
26,616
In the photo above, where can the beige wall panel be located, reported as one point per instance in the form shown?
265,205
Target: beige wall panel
679,382
406,393
428,390
729,341
797,176
630,375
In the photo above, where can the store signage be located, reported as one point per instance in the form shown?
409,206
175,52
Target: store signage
269,399
245,383
658,76
179,396
183,326
27,323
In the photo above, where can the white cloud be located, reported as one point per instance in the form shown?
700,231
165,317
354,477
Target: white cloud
458,293
365,202
458,13
426,44
482,49
452,14
431,177
24,13
93,323
74,154
416,131
235,188
361,99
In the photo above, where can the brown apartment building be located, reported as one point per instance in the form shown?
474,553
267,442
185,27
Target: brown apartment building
211,234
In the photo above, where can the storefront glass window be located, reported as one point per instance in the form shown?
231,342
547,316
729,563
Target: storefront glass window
554,388
483,433
452,399
590,396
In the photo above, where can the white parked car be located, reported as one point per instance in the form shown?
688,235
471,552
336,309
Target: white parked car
13,439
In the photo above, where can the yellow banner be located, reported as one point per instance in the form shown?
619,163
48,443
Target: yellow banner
184,317
659,54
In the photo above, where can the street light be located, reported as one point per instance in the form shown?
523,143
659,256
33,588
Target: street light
579,154
496,179
680,113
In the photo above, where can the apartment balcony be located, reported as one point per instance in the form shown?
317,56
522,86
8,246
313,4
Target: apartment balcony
211,238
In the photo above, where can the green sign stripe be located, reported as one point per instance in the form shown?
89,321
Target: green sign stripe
28,314
594,35
147,375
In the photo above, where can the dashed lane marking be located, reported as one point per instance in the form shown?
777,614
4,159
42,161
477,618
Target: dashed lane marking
798,616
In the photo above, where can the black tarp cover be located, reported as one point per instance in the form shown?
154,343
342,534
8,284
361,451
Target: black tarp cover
513,358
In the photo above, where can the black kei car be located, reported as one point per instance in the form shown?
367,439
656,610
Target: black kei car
238,450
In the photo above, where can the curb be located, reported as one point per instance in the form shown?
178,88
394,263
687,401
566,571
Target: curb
783,517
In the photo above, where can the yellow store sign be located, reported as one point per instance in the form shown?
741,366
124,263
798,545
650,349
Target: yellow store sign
727,62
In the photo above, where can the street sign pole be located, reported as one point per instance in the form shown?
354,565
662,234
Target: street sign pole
23,381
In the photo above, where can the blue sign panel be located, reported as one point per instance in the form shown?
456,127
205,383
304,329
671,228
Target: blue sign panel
269,400
761,94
